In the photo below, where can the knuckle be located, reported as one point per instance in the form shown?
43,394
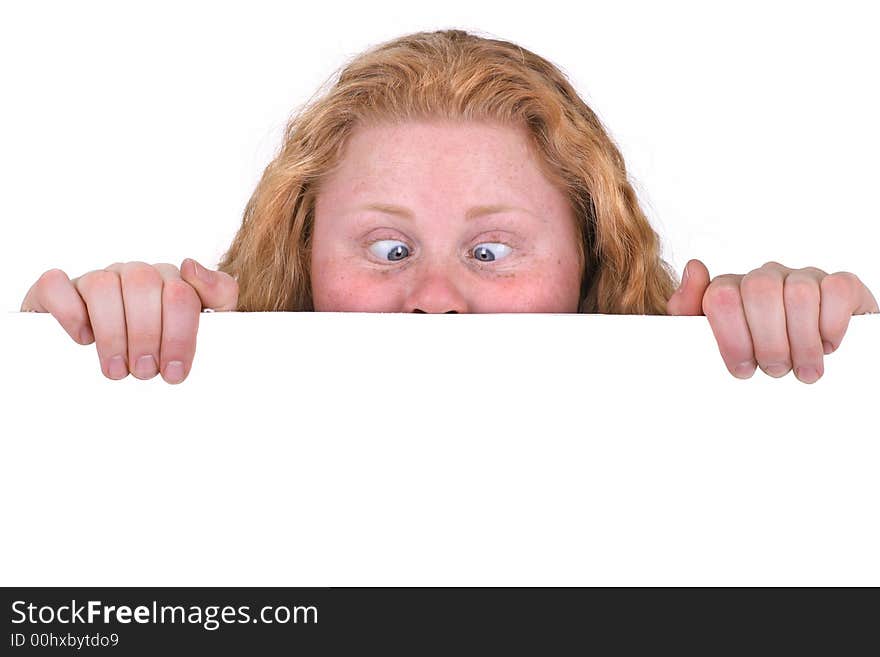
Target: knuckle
809,358
180,293
100,279
773,359
724,295
772,264
71,320
144,337
177,348
166,266
772,354
52,276
799,288
767,354
142,275
759,282
840,281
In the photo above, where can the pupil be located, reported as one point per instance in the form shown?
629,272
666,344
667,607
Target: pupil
484,254
397,253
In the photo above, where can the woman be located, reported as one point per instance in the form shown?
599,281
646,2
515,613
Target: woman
445,172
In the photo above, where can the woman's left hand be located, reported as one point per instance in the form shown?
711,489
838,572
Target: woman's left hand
776,317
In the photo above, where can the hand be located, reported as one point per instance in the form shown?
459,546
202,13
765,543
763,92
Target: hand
142,317
774,316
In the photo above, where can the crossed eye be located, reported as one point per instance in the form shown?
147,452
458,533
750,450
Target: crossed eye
395,250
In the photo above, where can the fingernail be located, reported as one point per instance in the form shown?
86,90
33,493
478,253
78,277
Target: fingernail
828,347
117,368
777,369
202,273
174,372
145,367
86,336
745,369
807,374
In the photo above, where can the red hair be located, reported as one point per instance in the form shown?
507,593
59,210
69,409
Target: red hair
452,74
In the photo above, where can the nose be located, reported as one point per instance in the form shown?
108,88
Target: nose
436,293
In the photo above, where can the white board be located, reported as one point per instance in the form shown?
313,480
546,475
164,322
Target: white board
324,449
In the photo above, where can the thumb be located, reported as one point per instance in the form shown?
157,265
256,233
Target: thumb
217,289
688,298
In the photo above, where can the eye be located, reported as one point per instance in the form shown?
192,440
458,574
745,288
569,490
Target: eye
489,251
389,250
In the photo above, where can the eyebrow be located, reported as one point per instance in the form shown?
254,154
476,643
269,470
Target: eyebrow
472,213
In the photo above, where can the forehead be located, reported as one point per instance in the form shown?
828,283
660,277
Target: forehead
473,161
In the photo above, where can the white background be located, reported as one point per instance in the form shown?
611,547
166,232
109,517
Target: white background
137,132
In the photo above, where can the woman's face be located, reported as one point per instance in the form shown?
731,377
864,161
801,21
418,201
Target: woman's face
442,217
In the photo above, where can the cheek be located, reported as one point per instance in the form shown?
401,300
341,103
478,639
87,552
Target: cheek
550,286
537,292
566,280
339,287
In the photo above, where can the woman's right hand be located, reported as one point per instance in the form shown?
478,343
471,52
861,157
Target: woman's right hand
144,318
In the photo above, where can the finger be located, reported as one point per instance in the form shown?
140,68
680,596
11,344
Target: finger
722,305
142,300
102,293
54,293
763,303
180,324
842,296
688,298
217,290
802,298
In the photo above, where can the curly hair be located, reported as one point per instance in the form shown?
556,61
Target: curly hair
452,74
